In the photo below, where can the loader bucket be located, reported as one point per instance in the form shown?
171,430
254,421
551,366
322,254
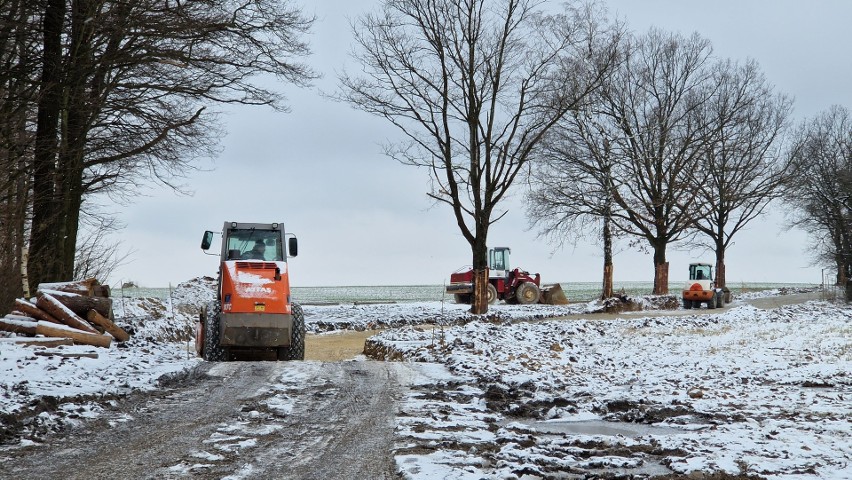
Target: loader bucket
553,295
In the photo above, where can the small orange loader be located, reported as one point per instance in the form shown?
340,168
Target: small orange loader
253,312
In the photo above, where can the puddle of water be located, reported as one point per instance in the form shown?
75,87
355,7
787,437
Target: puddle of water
600,427
650,466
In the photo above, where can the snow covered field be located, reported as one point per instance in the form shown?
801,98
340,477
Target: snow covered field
739,391
744,392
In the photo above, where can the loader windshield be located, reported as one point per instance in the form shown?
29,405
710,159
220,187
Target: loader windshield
700,272
253,244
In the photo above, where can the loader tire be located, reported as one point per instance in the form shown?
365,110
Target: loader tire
296,350
687,304
491,296
527,293
213,352
712,302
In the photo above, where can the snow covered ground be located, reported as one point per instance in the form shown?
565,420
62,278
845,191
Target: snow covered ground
743,392
41,392
739,391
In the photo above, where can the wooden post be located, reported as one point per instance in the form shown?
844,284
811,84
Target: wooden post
63,313
48,342
117,332
52,330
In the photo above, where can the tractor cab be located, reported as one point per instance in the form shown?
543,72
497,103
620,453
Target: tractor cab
700,271
498,262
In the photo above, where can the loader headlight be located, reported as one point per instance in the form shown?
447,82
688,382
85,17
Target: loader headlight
274,225
233,224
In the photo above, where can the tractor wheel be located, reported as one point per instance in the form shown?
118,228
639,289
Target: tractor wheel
462,298
687,304
712,302
212,351
720,300
491,296
296,350
527,293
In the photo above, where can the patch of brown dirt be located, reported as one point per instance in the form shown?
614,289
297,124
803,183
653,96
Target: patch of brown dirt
333,347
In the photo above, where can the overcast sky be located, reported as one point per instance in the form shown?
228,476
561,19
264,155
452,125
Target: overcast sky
363,219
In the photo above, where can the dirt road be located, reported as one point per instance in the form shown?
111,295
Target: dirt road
303,420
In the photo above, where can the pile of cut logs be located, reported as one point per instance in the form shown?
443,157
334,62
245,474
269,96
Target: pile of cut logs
80,311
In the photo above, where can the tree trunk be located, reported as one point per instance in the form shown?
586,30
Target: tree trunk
848,291
661,270
44,236
841,272
607,268
607,282
78,106
479,301
720,265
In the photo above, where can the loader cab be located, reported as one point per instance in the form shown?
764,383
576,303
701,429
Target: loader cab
253,241
700,271
498,262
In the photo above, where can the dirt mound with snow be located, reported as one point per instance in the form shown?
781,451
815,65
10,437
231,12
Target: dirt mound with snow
166,320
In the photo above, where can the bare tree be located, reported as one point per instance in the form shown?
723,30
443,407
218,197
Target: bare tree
741,170
651,104
18,66
97,256
131,98
628,159
821,187
474,85
573,186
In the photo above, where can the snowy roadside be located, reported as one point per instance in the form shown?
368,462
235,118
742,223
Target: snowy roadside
42,390
743,392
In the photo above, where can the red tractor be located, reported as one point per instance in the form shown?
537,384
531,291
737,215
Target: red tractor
505,283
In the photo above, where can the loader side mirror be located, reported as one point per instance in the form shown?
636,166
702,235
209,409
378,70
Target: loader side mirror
207,240
292,246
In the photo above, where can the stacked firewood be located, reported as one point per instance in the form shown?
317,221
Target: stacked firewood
80,311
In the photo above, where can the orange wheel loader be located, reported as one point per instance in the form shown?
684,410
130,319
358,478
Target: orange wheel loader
253,312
